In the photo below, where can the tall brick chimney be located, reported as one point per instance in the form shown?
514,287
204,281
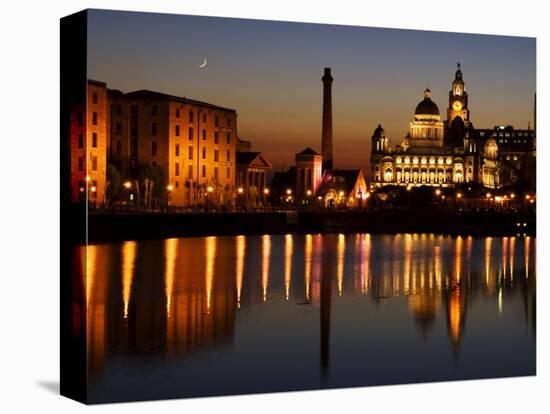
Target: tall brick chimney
326,145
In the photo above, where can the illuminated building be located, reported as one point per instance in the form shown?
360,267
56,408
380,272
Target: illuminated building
313,180
191,142
516,150
450,152
88,145
252,170
193,145
308,172
343,188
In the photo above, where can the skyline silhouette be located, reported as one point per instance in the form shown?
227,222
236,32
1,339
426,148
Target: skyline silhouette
270,72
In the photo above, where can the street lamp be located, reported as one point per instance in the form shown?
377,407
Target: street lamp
288,191
128,185
266,191
438,192
169,187
308,192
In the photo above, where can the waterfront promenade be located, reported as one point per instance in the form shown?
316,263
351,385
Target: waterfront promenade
108,226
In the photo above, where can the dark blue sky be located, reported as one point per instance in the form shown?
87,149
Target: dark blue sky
270,72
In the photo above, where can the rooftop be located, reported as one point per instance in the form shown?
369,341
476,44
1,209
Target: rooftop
159,96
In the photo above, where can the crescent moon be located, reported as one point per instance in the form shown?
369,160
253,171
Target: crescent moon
203,64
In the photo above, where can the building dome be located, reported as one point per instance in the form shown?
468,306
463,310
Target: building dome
427,106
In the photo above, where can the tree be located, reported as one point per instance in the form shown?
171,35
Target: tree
150,185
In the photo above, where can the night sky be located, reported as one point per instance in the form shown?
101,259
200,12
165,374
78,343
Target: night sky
270,72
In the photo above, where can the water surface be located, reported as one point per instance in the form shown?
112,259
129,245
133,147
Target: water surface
224,315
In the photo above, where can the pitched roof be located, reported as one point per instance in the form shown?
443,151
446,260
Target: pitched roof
308,151
246,157
339,180
249,158
96,82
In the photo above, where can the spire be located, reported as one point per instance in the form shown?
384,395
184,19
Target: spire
427,93
458,73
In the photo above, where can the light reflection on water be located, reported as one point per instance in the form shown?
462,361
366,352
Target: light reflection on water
214,315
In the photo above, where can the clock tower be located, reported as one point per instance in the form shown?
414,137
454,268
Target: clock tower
458,114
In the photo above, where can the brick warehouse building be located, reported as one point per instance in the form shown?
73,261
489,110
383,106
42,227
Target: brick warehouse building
88,145
192,143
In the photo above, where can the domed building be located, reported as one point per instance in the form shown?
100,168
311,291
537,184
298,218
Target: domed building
426,128
436,152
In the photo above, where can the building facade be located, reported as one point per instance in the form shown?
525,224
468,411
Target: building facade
447,152
308,172
343,188
166,149
88,145
252,171
191,142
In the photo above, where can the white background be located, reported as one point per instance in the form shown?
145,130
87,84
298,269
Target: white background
29,206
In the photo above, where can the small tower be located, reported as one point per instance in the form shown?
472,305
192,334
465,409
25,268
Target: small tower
380,144
326,145
458,114
379,141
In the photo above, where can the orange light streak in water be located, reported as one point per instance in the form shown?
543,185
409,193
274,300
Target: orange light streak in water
289,249
210,247
171,253
365,273
128,263
307,263
458,258
266,253
340,263
455,315
407,265
91,257
239,266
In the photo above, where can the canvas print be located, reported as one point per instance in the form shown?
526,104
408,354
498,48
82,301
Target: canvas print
260,206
